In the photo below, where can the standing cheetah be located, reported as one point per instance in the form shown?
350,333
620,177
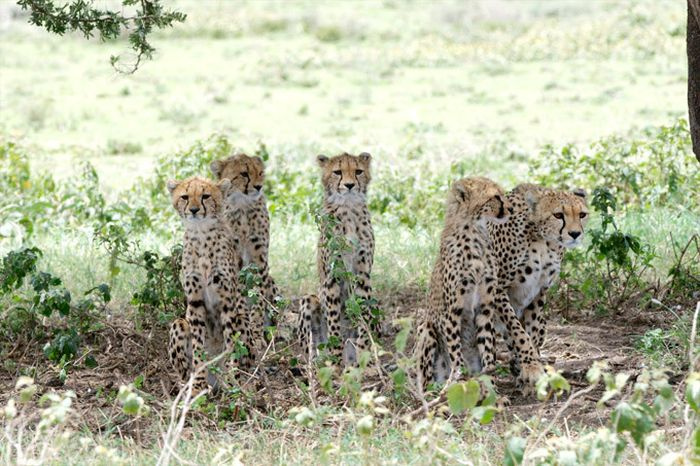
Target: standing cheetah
344,259
216,309
458,327
245,210
531,245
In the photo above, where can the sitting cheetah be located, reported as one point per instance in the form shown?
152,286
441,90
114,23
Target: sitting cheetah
458,327
245,210
216,310
344,259
531,245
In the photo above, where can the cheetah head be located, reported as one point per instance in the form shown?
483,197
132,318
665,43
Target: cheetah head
345,177
246,174
559,216
198,200
480,198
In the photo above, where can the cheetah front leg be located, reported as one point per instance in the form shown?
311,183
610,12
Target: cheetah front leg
271,293
485,338
180,348
519,342
311,327
426,347
269,288
196,318
533,320
363,291
332,307
239,323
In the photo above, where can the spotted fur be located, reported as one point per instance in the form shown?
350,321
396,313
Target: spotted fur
530,247
245,210
457,331
345,179
216,310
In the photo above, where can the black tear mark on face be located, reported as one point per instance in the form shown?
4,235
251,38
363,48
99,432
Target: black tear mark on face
563,223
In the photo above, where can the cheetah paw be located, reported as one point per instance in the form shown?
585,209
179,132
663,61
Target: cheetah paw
529,374
502,401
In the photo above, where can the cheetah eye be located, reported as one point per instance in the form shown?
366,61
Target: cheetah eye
337,172
184,197
559,216
359,172
244,174
582,214
205,196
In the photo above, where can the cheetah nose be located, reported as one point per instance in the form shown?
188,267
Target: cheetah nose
349,185
258,187
574,234
194,210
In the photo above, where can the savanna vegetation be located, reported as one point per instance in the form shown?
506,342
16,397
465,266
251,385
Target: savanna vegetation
565,94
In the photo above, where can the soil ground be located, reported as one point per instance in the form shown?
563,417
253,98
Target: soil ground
125,354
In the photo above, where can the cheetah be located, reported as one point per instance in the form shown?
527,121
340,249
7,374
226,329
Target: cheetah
245,210
458,327
345,247
530,247
216,310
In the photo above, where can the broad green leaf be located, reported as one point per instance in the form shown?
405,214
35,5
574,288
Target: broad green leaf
462,396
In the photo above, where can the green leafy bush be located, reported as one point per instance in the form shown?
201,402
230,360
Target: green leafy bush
657,170
611,270
35,304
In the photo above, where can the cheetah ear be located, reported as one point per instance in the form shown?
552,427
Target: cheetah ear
365,157
224,184
258,159
171,185
532,199
461,192
580,192
322,160
216,168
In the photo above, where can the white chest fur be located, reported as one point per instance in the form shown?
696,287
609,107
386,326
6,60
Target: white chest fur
537,273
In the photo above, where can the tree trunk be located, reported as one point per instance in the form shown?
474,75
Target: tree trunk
693,46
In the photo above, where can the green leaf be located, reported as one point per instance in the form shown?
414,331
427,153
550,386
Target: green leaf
484,414
131,406
402,336
635,419
363,359
462,396
325,378
692,392
399,379
90,362
515,450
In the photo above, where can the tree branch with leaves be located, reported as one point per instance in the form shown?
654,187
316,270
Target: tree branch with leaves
81,16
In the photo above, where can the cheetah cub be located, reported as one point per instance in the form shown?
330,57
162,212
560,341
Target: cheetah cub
245,210
216,310
457,331
531,245
346,246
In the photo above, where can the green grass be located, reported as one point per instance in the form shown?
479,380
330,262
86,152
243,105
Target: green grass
450,81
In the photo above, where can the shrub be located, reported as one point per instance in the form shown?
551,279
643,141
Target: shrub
657,170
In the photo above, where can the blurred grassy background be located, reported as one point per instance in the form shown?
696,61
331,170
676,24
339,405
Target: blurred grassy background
418,84
429,88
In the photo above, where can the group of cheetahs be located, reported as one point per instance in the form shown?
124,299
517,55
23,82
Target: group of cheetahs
499,253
